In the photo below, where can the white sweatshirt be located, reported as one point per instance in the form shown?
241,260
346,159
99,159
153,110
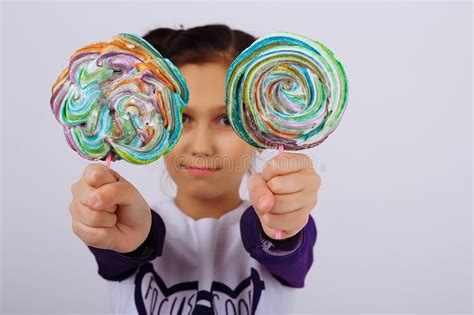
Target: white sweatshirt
207,266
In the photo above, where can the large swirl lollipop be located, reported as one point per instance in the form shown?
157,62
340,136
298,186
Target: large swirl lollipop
285,91
120,100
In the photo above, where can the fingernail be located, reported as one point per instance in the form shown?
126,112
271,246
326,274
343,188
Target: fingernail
263,202
95,201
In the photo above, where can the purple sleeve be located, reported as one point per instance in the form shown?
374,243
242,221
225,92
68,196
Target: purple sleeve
119,266
287,260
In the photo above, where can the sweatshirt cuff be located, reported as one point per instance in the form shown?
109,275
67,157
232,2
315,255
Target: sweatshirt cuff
278,247
145,249
288,265
153,244
254,236
118,266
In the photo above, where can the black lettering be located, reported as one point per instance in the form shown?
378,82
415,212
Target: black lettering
242,302
161,305
172,306
190,304
229,302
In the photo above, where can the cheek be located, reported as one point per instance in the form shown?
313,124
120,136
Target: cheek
236,150
177,152
170,164
173,160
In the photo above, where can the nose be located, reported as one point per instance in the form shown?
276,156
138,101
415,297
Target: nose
201,141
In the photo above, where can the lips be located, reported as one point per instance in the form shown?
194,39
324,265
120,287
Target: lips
201,168
200,171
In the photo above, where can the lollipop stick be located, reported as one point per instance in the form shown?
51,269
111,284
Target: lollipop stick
278,232
108,159
280,149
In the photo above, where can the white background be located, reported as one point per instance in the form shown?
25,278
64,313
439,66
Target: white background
395,210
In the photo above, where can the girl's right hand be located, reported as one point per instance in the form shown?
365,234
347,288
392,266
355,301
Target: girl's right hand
107,211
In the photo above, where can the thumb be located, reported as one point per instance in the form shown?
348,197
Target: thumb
120,193
260,194
97,175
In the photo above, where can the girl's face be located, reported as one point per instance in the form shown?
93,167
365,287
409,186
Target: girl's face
209,159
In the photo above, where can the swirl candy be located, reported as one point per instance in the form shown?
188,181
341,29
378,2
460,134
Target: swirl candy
285,90
120,96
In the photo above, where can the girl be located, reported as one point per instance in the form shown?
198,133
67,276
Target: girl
206,251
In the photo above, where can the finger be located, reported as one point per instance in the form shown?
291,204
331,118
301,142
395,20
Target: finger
96,237
81,191
92,218
260,194
289,203
86,196
287,184
287,221
115,194
97,175
285,163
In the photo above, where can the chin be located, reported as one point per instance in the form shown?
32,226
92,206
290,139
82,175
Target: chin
203,191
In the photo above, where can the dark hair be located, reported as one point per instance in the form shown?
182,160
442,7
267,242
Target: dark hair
201,44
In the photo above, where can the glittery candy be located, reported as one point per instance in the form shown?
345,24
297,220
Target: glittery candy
285,89
120,96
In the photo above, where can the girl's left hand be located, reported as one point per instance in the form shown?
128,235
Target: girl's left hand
285,193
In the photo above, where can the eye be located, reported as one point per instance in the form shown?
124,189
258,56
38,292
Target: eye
223,119
184,118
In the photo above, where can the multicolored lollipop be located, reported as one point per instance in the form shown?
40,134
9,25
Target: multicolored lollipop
120,99
285,91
